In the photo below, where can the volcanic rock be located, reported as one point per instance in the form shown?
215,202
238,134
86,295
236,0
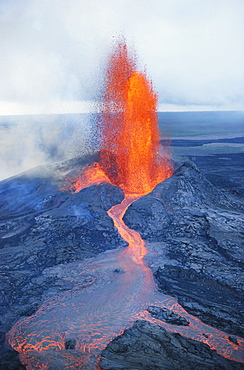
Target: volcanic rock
195,236
147,346
42,226
189,188
166,315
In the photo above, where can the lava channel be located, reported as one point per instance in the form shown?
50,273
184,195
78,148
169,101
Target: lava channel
95,315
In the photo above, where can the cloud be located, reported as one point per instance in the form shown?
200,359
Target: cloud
54,53
56,50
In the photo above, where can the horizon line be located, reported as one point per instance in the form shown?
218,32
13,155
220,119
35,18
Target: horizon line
89,107
158,111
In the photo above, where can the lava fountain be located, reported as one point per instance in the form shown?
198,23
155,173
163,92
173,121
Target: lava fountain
91,316
130,139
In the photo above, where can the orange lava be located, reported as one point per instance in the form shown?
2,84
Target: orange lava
138,142
130,139
92,175
136,245
94,316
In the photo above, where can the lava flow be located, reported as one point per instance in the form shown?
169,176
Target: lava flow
90,316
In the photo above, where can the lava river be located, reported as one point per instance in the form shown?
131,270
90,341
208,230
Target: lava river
95,314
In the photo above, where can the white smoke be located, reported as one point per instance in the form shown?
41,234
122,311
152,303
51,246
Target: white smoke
30,141
56,50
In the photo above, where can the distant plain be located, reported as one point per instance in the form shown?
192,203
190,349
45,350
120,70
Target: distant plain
213,140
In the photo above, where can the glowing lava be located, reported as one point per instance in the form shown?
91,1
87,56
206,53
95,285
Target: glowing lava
138,142
130,140
94,315
92,175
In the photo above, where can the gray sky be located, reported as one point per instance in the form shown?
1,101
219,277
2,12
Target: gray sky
53,52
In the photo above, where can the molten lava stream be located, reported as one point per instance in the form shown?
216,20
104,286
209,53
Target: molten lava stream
136,245
93,317
96,315
197,330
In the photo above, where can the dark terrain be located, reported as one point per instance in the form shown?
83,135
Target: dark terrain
40,227
192,223
196,232
150,347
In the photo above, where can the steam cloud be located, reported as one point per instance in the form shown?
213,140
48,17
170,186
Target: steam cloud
56,50
28,142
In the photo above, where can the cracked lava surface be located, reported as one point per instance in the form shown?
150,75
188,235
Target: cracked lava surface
95,315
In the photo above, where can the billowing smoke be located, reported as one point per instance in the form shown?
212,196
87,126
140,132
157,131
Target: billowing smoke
30,141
